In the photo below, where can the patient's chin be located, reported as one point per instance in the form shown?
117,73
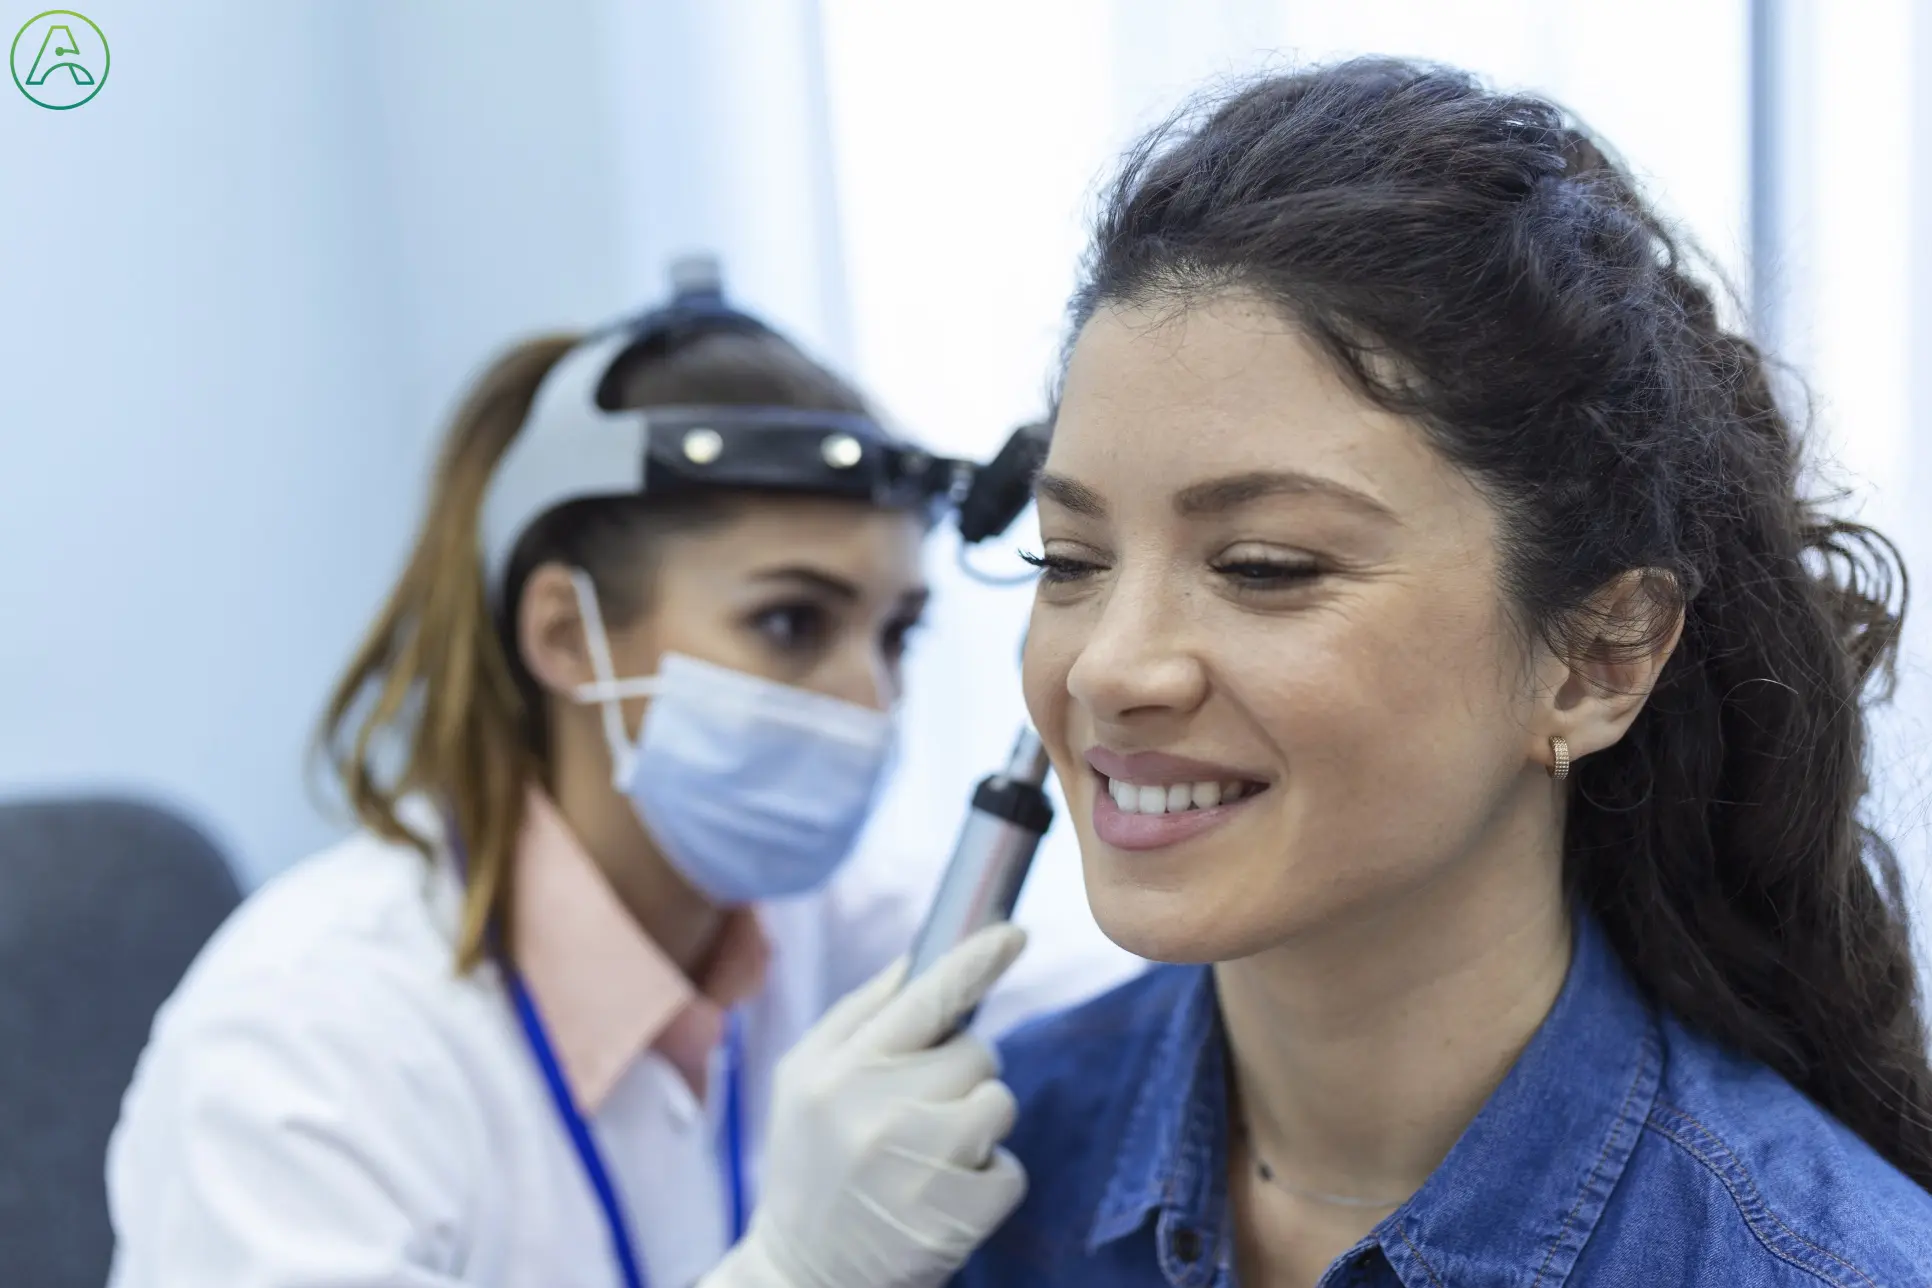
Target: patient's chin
1162,926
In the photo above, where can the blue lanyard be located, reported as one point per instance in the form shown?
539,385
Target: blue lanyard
592,1158
629,1269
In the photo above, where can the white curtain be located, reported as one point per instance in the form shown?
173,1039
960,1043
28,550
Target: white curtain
1848,300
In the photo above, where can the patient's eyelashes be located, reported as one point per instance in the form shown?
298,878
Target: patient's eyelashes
1242,574
1268,574
1059,569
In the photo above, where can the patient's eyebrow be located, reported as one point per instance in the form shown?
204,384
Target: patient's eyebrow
1069,495
1218,496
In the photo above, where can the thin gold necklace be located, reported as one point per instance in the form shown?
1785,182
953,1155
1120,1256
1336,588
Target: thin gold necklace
1268,1174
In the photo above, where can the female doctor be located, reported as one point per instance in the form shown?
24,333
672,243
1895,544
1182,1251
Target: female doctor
631,700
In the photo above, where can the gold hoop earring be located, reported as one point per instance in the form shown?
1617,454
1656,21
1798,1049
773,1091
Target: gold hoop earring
1559,756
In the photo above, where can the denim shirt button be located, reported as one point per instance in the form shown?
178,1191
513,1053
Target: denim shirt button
1187,1245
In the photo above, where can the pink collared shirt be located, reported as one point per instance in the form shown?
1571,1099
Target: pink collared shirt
606,991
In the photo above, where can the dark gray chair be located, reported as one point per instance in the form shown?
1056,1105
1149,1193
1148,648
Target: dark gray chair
103,904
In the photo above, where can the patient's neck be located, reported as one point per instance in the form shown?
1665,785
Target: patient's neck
1361,1051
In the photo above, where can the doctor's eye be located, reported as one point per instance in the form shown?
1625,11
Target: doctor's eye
898,636
794,628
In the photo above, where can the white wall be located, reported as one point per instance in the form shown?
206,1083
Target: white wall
245,284
202,367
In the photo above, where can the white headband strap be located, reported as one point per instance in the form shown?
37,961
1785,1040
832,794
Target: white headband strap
568,449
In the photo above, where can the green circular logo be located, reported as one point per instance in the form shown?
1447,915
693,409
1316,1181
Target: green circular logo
60,59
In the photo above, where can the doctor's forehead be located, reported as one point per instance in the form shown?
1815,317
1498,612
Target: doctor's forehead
814,540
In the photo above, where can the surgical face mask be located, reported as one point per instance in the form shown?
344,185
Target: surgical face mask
752,789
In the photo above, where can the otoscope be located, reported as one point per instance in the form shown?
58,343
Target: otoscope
1010,811
1009,815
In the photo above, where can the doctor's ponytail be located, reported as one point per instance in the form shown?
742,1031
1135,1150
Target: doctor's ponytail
428,704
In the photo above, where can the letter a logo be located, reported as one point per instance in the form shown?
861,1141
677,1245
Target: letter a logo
60,59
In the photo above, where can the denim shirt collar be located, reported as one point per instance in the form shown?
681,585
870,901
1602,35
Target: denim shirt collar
1514,1201
1173,1153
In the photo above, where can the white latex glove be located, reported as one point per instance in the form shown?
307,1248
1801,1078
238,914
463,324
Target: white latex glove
883,1168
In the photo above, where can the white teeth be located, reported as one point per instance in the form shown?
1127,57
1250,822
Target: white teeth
1132,798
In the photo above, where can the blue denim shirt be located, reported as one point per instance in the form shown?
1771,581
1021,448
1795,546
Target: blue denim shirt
1621,1150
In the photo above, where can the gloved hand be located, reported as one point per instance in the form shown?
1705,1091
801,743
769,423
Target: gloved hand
883,1168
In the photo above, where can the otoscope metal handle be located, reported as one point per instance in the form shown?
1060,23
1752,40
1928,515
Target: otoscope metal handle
1009,815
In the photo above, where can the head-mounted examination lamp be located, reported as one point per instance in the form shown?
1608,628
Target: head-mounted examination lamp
576,444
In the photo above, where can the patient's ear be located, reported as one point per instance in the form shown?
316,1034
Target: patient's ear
1613,650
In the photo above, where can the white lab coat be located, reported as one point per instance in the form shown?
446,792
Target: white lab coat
325,1101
